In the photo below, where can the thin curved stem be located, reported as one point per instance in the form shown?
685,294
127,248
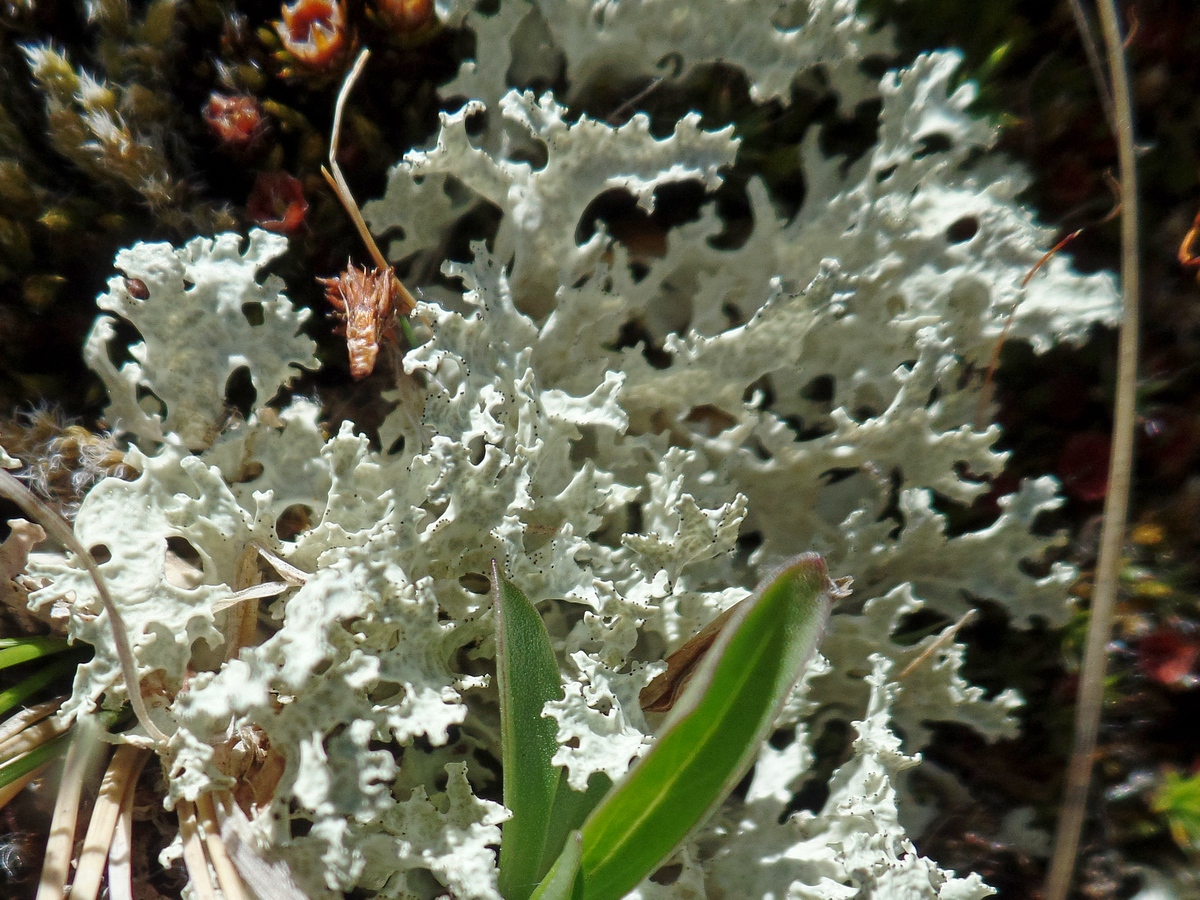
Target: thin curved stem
1116,502
57,528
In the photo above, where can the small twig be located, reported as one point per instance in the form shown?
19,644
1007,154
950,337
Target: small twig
338,182
57,528
985,395
1116,501
637,98
1091,49
947,635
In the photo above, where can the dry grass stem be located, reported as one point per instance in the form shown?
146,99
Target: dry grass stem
118,782
227,875
61,845
286,570
1116,502
336,181
193,851
120,852
948,634
257,592
266,879
10,790
18,722
31,737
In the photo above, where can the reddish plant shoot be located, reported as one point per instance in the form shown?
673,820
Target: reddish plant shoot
236,120
315,34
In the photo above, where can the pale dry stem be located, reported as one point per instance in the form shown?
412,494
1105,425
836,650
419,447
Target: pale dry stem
1116,501
193,851
18,724
14,787
338,182
60,847
116,787
120,853
948,634
227,875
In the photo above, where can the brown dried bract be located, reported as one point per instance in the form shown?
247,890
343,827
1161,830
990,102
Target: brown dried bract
366,302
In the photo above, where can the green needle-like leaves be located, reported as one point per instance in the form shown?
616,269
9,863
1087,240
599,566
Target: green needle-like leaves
712,734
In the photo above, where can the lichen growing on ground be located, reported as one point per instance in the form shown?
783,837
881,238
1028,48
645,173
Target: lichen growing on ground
812,387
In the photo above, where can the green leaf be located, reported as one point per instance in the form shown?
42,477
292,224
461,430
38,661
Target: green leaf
569,811
47,673
14,651
25,764
713,733
542,814
563,881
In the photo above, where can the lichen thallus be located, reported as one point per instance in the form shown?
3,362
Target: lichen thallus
214,829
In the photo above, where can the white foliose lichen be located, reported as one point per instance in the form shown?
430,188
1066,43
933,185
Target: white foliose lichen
644,493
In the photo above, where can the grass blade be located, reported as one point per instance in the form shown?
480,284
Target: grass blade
713,732
31,684
14,651
35,758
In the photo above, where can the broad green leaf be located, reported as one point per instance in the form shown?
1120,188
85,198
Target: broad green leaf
563,881
713,733
14,651
528,677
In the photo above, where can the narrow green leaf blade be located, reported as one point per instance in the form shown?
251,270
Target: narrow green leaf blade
23,765
563,881
57,668
528,677
14,651
713,733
